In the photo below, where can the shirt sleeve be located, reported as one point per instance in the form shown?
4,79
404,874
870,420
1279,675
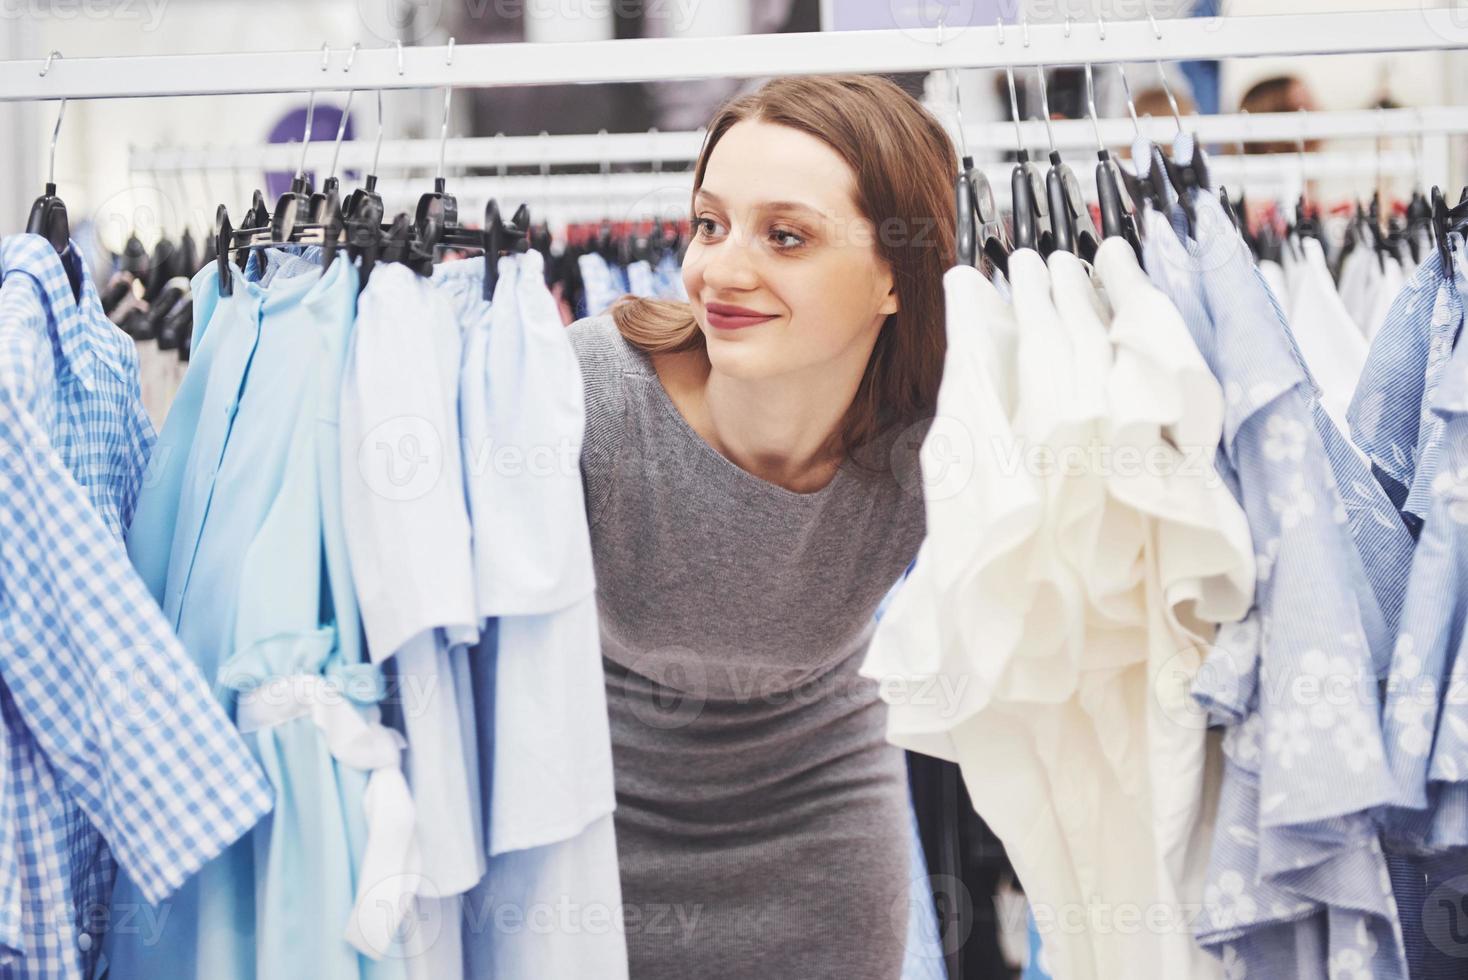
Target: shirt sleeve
596,343
103,686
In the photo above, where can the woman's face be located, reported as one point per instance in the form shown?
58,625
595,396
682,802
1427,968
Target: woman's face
783,271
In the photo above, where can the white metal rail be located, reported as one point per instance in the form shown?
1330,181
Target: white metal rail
683,147
654,59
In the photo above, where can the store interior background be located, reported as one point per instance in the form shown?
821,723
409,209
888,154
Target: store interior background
92,155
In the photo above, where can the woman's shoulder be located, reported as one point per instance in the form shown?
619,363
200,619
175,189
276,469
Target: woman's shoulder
604,354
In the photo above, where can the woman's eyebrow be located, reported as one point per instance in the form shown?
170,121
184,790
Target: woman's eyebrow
767,205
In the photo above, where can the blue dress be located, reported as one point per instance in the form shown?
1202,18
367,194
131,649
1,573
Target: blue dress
257,586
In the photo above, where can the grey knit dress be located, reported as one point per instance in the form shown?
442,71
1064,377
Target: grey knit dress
761,820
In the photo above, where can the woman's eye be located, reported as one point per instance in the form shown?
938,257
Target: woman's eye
787,239
707,227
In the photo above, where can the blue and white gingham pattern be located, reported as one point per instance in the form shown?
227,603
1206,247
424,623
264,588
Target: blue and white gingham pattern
111,735
1390,415
1295,857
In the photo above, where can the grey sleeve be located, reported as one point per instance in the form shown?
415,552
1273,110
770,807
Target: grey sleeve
599,350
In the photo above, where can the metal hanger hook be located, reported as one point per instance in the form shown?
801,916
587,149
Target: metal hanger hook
1100,28
1068,20
443,132
1024,27
1300,148
377,147
1045,106
351,57
1131,107
1244,130
958,109
60,114
448,97
1019,139
306,140
1177,116
55,136
1156,31
1091,107
341,130
325,56
399,43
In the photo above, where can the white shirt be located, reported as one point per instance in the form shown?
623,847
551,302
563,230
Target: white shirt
1392,281
1333,346
1359,280
1081,768
1200,571
983,508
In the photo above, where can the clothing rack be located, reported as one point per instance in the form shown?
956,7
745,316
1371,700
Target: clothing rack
657,148
750,56
660,192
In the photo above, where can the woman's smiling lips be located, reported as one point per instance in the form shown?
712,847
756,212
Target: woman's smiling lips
722,316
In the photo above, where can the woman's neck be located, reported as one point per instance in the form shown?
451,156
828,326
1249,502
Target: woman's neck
780,429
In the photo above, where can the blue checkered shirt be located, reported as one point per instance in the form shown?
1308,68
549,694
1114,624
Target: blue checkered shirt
112,743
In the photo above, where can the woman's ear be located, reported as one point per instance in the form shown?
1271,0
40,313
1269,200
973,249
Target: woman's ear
890,303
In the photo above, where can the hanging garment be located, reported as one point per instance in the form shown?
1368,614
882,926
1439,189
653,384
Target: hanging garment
1274,277
540,704
1078,755
1297,883
409,541
983,557
1167,408
94,680
1390,414
1333,346
1360,279
1392,282
602,289
640,280
669,279
247,526
1427,713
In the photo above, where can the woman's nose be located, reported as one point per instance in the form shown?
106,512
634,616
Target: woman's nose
729,264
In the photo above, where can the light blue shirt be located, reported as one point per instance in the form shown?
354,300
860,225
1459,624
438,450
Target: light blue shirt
257,585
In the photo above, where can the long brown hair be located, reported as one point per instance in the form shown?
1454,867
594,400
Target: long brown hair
904,164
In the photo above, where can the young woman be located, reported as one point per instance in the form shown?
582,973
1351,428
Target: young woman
751,481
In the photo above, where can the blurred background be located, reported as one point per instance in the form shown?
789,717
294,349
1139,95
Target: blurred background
101,141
